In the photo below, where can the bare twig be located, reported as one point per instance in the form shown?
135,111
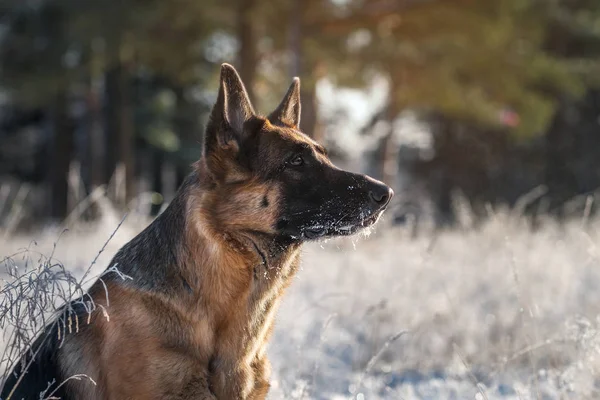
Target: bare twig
374,359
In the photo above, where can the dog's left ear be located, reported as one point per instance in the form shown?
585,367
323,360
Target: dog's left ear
288,111
232,109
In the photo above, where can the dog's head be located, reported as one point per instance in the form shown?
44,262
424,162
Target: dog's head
269,177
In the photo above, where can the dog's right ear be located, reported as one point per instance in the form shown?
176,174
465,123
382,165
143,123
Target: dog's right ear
288,111
231,111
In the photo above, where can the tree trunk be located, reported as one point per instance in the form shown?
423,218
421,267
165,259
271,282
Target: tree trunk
295,38
62,148
445,172
127,136
560,153
309,120
96,142
120,134
111,128
187,131
388,167
157,181
181,172
248,39
389,149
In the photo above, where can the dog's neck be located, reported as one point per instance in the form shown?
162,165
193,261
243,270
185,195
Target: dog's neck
267,246
230,253
181,248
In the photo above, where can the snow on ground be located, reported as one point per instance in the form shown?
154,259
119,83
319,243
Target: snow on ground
497,312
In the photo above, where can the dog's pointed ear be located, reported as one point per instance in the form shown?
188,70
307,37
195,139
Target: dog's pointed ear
233,107
288,110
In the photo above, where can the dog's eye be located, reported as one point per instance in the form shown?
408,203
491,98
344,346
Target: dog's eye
296,161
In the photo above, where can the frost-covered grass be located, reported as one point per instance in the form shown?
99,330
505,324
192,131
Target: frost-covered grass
498,312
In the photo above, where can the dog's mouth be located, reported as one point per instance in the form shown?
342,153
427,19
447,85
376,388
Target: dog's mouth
340,229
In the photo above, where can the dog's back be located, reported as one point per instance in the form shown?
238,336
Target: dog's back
57,355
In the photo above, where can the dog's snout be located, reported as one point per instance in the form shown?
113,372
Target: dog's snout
381,194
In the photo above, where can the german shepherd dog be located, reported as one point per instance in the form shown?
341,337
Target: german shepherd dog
208,274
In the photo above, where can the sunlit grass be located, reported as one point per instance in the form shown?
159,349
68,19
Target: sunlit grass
496,311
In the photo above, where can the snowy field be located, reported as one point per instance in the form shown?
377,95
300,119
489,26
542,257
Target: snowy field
497,312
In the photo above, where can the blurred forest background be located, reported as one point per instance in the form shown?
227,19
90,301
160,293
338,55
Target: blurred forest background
498,101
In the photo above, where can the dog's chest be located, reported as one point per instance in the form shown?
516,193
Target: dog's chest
240,355
267,288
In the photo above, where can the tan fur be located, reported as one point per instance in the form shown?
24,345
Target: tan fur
227,318
208,274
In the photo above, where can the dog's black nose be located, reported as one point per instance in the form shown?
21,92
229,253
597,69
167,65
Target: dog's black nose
381,194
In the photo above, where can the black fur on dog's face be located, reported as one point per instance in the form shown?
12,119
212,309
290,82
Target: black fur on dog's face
294,183
319,199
